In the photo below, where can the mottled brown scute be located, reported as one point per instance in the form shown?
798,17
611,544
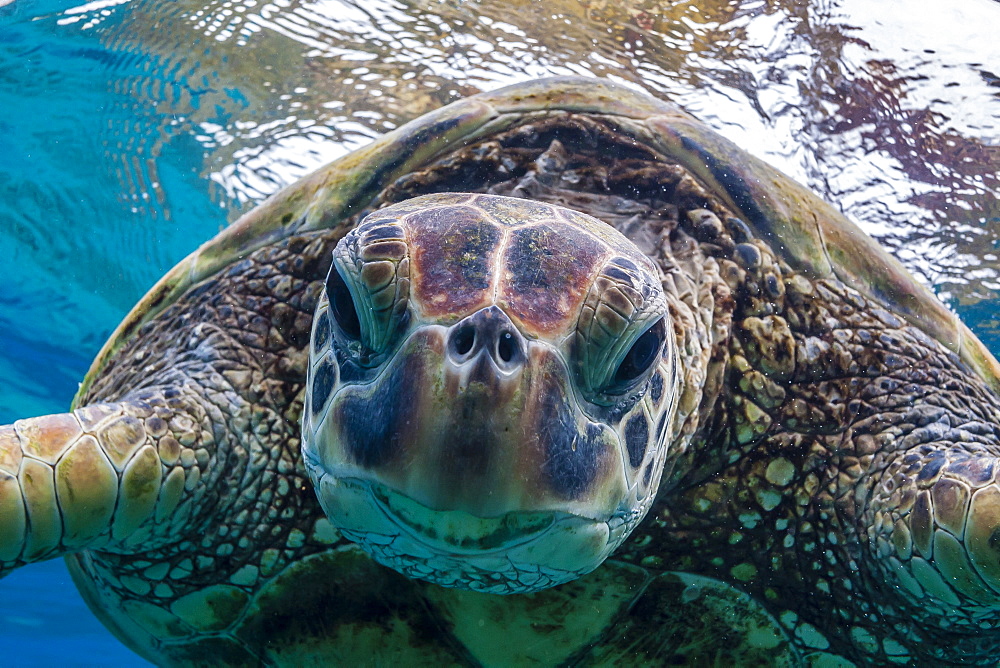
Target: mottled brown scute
548,304
446,233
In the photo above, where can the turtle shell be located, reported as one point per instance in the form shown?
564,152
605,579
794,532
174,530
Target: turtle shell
807,233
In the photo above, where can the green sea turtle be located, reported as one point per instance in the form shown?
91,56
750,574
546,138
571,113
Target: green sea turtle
630,395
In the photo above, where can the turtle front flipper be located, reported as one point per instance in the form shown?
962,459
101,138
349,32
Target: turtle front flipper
102,476
935,523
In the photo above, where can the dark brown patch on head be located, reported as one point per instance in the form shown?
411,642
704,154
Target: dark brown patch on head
656,388
393,250
661,427
372,230
378,274
453,260
322,384
932,466
575,451
636,438
376,427
548,269
321,333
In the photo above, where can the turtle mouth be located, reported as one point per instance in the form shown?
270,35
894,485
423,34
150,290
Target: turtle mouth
517,552
458,531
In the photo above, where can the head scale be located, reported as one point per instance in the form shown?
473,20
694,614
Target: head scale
490,388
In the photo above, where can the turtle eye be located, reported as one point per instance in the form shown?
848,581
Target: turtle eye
639,358
345,313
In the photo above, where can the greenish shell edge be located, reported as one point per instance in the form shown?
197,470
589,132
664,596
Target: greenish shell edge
809,233
812,236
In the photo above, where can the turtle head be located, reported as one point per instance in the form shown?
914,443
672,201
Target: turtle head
491,387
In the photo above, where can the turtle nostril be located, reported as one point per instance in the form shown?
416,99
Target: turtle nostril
506,347
488,334
463,340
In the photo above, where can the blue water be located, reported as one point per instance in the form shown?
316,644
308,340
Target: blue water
79,244
133,130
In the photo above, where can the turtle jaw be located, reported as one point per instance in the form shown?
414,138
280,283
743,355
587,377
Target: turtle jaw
456,530
517,553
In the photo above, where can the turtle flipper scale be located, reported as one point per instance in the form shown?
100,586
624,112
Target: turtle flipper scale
103,476
939,527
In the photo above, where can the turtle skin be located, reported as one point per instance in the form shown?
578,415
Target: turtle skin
829,495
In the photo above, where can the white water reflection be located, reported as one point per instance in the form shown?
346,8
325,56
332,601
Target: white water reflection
183,115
